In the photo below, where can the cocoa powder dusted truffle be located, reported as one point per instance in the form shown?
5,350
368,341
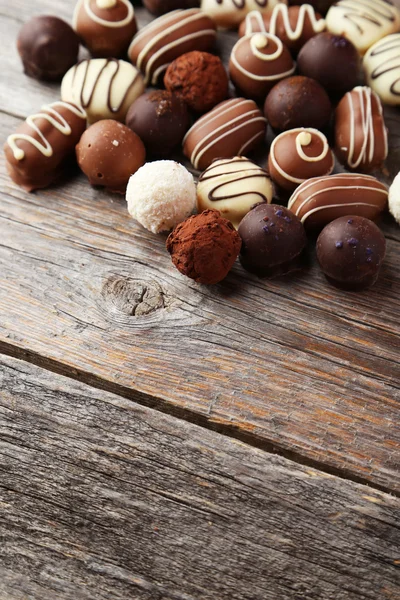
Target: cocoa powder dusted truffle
109,153
48,47
160,119
198,78
160,7
350,251
204,247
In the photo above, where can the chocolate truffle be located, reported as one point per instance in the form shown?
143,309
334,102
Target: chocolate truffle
394,198
321,6
37,151
382,69
363,22
273,240
257,63
297,102
105,87
160,7
234,127
106,27
160,119
233,186
350,251
229,13
166,38
319,59
360,133
320,200
160,195
297,155
204,247
109,153
48,47
198,78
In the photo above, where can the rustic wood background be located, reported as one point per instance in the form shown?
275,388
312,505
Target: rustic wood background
103,498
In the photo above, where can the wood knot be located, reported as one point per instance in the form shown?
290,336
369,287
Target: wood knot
132,297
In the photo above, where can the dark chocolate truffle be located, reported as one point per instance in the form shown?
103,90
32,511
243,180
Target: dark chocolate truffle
48,47
109,153
350,251
198,78
160,7
332,60
273,240
297,102
160,119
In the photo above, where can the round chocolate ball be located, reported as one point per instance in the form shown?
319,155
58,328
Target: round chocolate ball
350,251
273,240
297,102
160,119
321,6
160,7
109,153
332,60
48,47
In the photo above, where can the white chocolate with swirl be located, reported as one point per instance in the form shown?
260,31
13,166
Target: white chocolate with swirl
382,69
229,13
104,4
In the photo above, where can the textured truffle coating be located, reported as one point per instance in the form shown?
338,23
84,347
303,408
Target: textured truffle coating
204,247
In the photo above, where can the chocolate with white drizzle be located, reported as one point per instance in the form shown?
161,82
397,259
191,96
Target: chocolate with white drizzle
382,69
363,22
297,155
36,152
104,87
360,134
229,13
106,27
166,38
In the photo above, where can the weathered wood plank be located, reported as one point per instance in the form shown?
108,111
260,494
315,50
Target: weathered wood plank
103,499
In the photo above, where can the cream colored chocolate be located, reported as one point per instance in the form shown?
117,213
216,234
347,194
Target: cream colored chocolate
360,134
233,186
382,69
170,36
394,198
105,88
363,22
321,200
230,13
297,155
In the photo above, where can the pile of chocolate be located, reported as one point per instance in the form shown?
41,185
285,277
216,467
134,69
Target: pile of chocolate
295,68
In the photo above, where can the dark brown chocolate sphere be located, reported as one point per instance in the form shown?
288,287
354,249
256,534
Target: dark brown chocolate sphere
160,7
48,47
297,102
109,153
321,6
332,60
350,251
273,240
160,119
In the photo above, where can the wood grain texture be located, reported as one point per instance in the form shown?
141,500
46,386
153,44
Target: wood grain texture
103,499
291,365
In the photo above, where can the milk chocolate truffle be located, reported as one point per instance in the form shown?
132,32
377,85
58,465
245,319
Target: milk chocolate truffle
360,133
233,186
48,47
394,198
319,201
204,247
104,87
363,22
160,7
297,102
382,69
160,119
109,153
198,78
297,155
273,240
319,59
321,6
257,63
350,251
234,127
166,38
37,151
106,27
229,13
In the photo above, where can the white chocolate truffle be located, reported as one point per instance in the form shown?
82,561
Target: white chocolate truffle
104,87
230,13
363,22
160,195
394,198
382,69
233,186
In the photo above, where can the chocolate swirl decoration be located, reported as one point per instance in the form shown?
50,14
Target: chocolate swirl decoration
104,5
306,11
242,3
382,68
229,13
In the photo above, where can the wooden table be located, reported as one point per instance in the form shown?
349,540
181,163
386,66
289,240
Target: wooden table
164,440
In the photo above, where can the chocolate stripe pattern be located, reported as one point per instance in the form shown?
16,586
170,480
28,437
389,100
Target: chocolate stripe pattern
229,13
382,68
306,13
